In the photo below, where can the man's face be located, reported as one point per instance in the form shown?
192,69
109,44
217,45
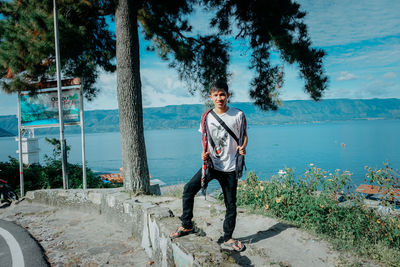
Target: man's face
219,98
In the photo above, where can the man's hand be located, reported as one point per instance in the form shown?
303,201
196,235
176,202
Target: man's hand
205,155
242,150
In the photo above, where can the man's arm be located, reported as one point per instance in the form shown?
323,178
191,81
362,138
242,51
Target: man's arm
204,153
242,148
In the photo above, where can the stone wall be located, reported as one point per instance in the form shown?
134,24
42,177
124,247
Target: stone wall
144,219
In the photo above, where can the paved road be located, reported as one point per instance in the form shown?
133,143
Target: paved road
18,248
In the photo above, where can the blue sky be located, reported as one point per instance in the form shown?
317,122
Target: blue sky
361,38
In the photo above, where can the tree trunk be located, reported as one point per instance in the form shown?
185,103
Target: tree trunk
129,89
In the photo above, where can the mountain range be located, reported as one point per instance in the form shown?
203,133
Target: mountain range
188,116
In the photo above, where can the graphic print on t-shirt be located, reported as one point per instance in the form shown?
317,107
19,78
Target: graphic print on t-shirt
223,156
219,136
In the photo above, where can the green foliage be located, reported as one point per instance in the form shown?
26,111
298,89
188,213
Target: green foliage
200,59
263,26
311,201
27,47
56,148
388,181
48,176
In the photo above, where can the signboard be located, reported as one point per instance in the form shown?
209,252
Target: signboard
41,109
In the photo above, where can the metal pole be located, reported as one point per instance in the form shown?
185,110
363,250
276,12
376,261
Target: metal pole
60,100
21,167
83,139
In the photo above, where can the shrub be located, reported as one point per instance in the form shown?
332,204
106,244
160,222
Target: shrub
311,201
388,180
49,175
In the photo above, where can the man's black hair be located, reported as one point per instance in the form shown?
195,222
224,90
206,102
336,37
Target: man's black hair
219,85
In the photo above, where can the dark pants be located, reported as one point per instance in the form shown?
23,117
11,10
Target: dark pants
228,183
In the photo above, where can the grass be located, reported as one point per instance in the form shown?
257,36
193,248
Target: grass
173,191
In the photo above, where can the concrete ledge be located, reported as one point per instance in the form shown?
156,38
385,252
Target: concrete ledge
143,218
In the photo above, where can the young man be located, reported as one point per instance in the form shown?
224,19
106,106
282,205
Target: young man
224,146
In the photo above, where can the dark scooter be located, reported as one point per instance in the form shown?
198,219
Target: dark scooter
6,192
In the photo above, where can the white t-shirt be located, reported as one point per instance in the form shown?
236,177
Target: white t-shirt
224,155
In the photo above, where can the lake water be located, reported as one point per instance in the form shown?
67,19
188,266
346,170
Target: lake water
174,155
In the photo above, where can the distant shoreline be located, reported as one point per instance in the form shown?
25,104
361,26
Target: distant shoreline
188,116
56,131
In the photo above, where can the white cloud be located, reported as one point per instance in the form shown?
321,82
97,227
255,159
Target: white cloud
107,97
239,83
382,55
346,76
295,95
369,89
379,88
160,87
338,22
389,75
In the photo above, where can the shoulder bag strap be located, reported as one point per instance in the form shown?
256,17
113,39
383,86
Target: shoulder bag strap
225,126
205,130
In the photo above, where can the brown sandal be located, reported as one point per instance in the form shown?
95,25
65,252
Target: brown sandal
180,232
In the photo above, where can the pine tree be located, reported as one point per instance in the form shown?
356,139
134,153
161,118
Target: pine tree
265,25
27,50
